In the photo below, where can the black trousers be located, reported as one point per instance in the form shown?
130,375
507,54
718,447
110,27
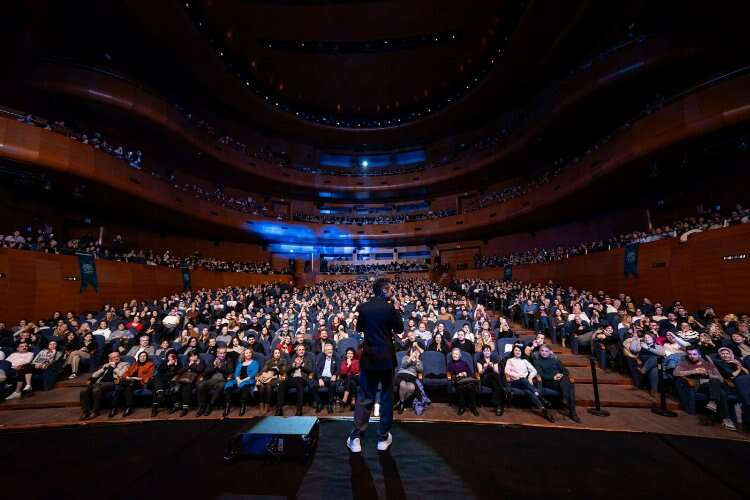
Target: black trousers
494,382
327,385
244,392
126,389
163,390
299,384
265,391
467,392
212,388
185,392
91,397
564,387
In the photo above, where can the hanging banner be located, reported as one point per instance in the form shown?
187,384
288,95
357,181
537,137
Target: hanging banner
508,272
87,265
186,281
631,259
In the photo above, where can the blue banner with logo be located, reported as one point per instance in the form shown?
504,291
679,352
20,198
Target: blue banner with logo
187,283
87,265
631,259
508,272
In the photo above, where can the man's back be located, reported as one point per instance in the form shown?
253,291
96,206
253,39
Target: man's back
379,320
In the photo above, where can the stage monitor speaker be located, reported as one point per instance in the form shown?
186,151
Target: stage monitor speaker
277,437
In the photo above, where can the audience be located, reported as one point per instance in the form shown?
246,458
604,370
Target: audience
681,228
43,240
220,332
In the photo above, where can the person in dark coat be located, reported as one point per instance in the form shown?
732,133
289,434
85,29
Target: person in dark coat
380,320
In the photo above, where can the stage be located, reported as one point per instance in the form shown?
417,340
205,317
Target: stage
170,459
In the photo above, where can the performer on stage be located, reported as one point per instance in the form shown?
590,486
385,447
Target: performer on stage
380,320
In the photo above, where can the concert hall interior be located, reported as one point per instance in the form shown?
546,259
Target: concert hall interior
202,201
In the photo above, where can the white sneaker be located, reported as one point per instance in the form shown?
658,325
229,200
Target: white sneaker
15,395
72,376
27,388
711,406
728,424
354,445
385,444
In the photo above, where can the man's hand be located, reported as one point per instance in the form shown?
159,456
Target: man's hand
557,377
321,383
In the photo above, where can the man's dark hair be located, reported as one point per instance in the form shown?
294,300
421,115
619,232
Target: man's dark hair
380,286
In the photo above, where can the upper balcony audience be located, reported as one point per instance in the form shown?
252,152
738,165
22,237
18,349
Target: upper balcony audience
682,228
44,240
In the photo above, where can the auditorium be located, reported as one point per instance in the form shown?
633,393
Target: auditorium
375,249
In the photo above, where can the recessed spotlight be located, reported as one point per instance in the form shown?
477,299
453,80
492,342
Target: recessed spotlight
364,163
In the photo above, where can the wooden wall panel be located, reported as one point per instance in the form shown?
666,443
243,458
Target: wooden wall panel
34,285
694,272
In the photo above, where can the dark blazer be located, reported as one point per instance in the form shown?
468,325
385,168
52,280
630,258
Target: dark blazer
307,366
380,322
320,363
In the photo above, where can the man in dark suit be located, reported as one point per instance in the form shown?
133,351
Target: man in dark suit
326,373
380,320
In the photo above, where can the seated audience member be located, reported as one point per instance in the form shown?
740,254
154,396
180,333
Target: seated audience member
406,376
192,346
48,363
554,375
737,342
463,343
322,341
119,338
163,383
103,330
468,335
257,347
102,382
85,351
531,349
136,377
698,374
520,374
326,375
579,333
643,354
735,375
410,340
144,345
706,344
485,339
488,368
163,350
465,385
235,349
298,374
349,373
439,344
215,376
187,377
243,380
269,379
285,344
20,363
605,345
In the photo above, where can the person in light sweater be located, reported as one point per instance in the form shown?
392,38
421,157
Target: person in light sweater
20,361
520,374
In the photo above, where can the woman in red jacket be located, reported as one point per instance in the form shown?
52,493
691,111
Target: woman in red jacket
349,376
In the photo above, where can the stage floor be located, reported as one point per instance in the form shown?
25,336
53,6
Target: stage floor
168,459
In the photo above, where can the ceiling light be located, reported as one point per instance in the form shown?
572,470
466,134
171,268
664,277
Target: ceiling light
364,163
